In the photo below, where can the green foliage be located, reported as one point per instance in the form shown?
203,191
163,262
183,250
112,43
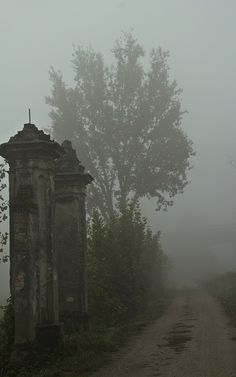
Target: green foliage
125,121
3,210
125,264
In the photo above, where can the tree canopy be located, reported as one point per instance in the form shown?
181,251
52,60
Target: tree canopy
125,121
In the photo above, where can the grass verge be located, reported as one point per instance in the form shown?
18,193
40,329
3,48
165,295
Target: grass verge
82,353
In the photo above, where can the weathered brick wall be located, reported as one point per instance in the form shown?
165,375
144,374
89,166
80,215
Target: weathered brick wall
70,236
31,156
47,187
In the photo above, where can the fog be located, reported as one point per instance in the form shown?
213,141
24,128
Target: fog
200,37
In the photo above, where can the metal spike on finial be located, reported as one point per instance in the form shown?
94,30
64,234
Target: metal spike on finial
29,117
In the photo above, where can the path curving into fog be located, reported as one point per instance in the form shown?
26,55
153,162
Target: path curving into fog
193,339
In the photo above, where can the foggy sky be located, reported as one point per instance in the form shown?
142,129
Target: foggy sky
200,35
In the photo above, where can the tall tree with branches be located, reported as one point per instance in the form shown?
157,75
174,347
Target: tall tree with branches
125,121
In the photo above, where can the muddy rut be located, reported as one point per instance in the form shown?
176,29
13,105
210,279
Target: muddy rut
193,339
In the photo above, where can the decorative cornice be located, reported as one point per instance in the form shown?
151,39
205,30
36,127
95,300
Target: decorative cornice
30,133
30,143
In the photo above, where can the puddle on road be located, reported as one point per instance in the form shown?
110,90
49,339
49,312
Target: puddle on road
177,332
178,336
177,342
181,325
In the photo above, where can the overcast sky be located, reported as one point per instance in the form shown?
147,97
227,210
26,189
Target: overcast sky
200,35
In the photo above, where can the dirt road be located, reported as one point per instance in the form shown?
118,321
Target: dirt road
193,339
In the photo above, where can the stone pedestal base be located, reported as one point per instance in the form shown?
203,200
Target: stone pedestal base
48,336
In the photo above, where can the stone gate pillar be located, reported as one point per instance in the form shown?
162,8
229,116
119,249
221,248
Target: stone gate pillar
33,278
70,236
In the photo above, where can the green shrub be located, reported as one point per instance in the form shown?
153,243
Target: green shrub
125,264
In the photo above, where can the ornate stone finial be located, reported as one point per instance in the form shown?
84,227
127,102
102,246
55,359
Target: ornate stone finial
69,163
67,146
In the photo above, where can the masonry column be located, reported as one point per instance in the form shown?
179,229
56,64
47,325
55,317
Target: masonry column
33,277
70,236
